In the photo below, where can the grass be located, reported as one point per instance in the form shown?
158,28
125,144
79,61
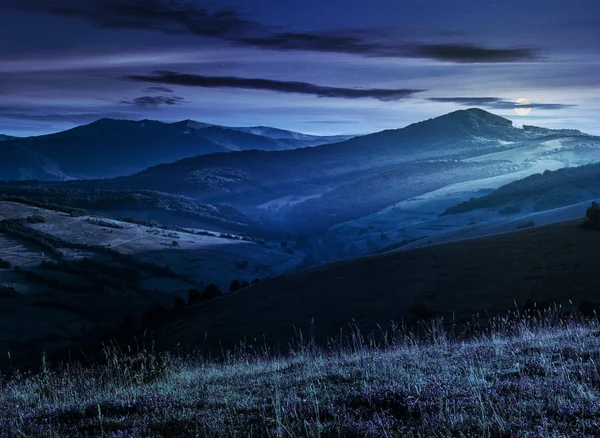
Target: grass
519,377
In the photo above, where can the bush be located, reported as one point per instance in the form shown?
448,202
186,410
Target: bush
235,286
593,217
154,317
36,219
179,303
106,224
4,264
255,281
211,291
194,297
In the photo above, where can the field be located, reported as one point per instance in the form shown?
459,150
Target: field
455,281
97,273
528,377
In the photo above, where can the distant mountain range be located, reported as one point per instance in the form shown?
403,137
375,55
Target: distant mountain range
447,160
109,148
329,184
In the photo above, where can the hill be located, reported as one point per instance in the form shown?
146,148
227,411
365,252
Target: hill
314,188
109,148
454,280
6,137
77,276
21,163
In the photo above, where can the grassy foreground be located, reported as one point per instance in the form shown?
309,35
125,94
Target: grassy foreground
524,377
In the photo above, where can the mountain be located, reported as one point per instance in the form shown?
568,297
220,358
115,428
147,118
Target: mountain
540,192
6,137
455,281
318,187
21,163
306,139
109,148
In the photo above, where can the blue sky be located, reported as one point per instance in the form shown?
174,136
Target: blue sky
324,67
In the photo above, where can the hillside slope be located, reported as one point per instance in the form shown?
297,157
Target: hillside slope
454,280
109,148
313,188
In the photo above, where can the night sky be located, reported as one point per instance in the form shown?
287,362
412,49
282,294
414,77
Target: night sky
316,66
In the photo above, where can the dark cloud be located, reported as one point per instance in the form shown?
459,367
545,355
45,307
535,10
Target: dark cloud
472,54
167,16
173,78
187,17
155,101
497,103
158,90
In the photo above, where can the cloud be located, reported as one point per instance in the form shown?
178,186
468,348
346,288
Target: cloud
467,53
167,16
173,78
158,90
187,17
497,103
155,101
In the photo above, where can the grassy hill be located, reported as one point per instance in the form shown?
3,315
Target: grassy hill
72,278
456,280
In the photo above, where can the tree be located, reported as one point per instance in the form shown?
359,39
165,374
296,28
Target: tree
593,216
194,297
212,291
235,286
178,303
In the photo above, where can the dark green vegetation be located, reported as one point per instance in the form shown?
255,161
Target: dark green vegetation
526,377
116,204
552,189
592,216
309,189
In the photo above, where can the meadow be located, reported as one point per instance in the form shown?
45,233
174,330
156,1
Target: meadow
522,375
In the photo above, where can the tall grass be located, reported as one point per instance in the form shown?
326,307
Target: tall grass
521,376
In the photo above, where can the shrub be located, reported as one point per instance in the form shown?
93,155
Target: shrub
36,219
593,217
211,291
154,317
4,264
194,296
106,224
256,281
245,284
179,303
175,243
235,286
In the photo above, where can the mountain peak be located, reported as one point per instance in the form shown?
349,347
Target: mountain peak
476,117
472,121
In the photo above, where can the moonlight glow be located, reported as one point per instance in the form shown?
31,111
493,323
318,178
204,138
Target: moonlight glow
522,107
